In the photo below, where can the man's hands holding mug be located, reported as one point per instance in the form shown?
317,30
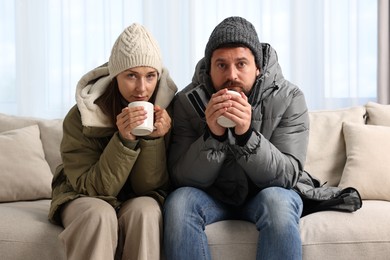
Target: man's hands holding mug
233,108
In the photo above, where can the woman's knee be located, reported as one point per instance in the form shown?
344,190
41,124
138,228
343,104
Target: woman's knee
141,208
90,212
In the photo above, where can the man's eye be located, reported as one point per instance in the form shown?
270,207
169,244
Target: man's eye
221,66
241,64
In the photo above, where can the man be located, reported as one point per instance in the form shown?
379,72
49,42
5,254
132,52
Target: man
244,172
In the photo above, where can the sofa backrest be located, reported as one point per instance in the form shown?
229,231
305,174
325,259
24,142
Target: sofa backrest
326,156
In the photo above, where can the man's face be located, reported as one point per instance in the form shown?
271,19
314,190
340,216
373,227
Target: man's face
233,68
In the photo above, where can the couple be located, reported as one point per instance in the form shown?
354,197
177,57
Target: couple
115,192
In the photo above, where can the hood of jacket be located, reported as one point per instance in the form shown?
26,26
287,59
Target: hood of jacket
94,83
270,76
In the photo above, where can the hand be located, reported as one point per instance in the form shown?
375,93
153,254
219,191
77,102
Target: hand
233,107
128,119
162,122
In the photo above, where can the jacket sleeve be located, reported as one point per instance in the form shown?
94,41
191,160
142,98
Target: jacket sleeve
101,166
278,159
150,169
193,161
274,155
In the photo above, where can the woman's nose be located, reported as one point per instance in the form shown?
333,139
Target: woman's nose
141,84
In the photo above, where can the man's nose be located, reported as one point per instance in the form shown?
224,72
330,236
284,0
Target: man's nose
232,73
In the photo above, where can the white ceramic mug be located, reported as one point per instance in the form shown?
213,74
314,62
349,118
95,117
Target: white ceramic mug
223,121
146,128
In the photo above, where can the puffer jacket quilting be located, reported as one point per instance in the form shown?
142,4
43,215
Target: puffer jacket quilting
274,154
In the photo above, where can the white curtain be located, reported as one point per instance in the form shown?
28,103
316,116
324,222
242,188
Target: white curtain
326,47
384,52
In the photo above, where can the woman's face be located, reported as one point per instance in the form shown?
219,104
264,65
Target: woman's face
137,84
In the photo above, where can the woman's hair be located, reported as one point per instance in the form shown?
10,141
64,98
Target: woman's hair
110,102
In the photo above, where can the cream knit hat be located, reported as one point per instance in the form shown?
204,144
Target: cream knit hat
135,47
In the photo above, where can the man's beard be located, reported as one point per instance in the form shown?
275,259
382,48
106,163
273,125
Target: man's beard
230,84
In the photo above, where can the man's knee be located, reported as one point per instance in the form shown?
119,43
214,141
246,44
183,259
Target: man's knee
179,199
281,205
278,196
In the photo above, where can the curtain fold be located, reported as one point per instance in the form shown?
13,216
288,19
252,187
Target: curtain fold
383,52
328,48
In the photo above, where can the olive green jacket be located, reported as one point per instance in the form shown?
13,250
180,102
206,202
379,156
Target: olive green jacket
97,162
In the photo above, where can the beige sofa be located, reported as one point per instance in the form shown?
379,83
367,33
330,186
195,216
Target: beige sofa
347,147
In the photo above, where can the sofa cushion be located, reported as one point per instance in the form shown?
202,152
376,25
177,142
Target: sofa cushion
367,168
378,114
326,154
51,134
363,234
24,172
26,233
232,239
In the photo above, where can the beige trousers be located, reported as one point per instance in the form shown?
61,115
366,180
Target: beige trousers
93,230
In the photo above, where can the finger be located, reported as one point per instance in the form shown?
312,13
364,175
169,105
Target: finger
164,116
137,115
163,123
123,113
220,97
122,119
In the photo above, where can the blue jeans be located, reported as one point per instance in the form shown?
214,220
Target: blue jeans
275,211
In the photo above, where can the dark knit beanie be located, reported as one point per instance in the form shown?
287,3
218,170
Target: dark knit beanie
234,30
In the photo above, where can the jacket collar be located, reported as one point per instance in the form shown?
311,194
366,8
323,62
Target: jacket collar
268,80
94,83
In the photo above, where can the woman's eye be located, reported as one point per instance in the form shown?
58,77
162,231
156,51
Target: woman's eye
151,76
131,75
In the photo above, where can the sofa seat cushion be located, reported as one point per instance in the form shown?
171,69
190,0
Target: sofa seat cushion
26,233
364,234
232,239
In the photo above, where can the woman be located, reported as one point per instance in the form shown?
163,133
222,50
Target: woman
108,191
